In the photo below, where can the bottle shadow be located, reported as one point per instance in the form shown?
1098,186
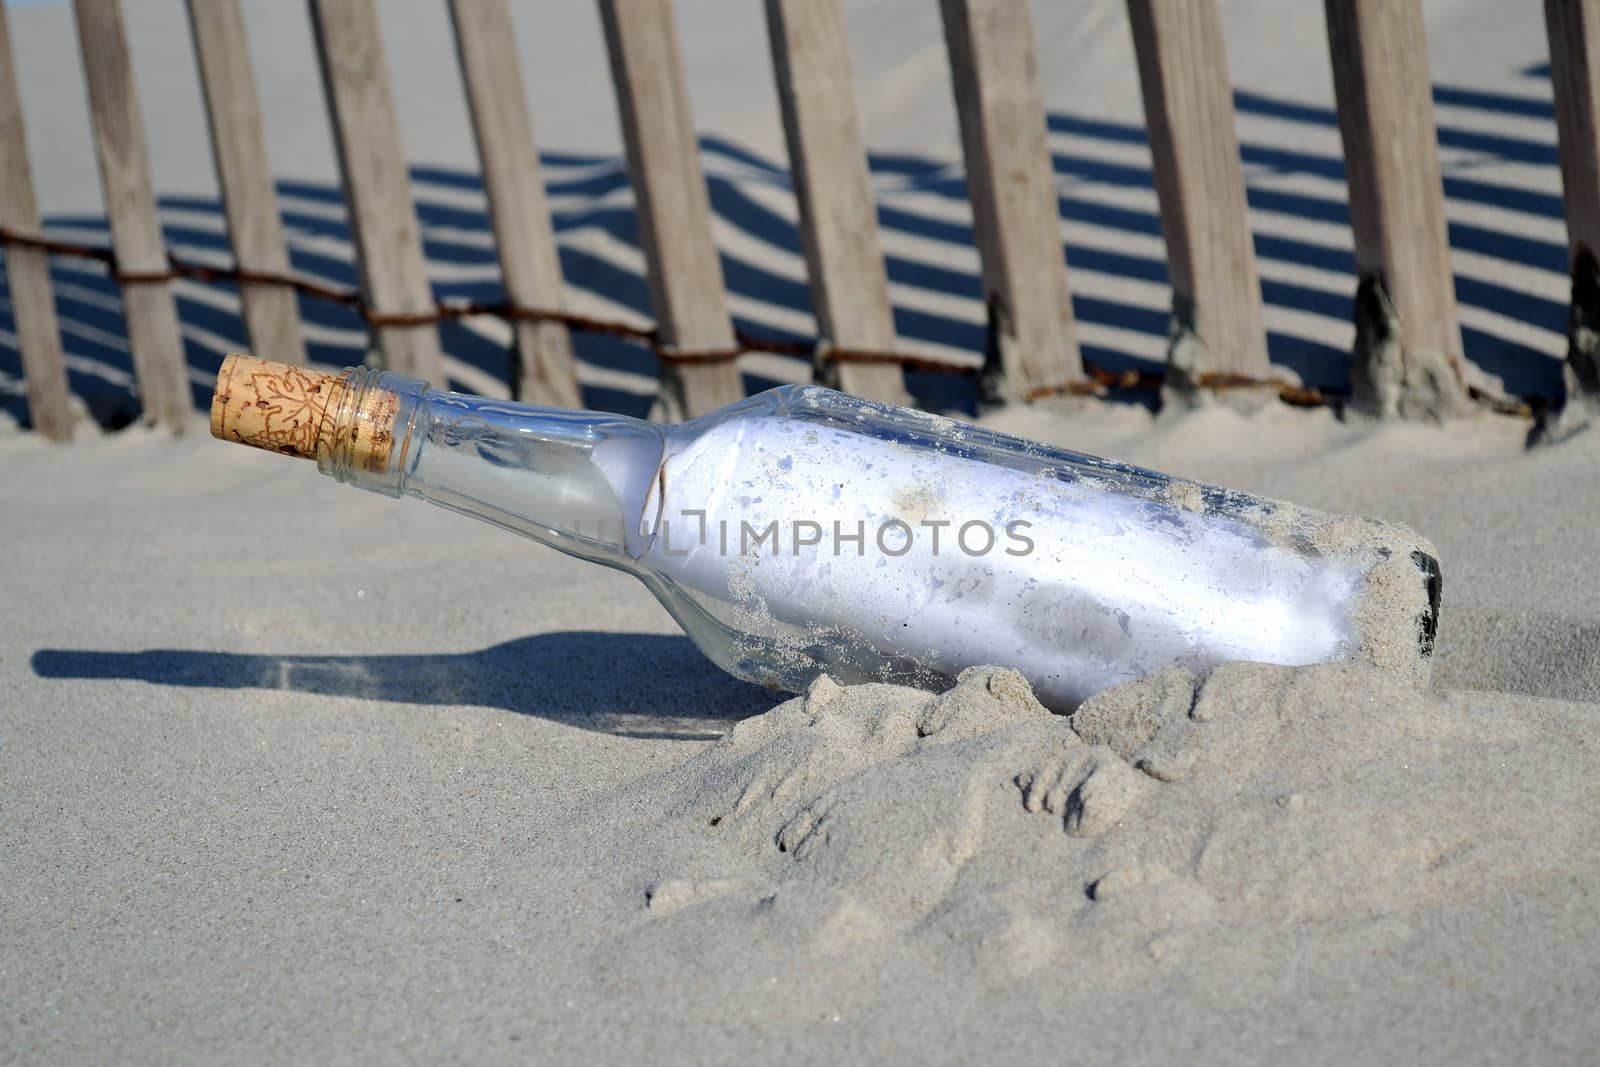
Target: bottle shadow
632,684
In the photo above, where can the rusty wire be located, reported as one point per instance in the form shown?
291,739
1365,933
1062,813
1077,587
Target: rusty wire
1097,380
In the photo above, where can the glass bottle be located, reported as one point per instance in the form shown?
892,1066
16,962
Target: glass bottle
803,531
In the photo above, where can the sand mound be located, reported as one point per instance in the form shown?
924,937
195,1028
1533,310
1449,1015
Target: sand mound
1167,818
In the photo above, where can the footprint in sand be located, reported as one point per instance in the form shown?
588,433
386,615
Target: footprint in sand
1089,786
1169,819
876,788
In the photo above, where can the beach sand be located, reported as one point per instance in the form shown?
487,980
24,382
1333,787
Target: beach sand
330,774
290,771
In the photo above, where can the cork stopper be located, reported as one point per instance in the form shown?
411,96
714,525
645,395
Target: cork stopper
295,411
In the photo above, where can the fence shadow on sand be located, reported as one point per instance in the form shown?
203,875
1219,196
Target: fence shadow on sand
1102,168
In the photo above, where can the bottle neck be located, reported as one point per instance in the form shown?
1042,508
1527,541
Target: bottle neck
367,428
575,480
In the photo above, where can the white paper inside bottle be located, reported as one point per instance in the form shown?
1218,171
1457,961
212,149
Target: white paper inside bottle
1114,587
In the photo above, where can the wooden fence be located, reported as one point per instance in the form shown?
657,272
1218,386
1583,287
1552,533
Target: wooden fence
1408,353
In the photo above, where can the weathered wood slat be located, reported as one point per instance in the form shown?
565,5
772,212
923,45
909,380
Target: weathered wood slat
238,143
1188,104
1408,343
1574,32
1011,183
383,219
674,211
33,304
545,372
147,304
838,221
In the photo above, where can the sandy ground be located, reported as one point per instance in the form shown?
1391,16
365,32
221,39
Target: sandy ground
316,782
289,771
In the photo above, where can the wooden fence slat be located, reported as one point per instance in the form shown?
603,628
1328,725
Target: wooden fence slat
838,220
674,211
1407,359
1574,33
238,143
545,372
154,339
1010,180
383,219
33,304
1188,101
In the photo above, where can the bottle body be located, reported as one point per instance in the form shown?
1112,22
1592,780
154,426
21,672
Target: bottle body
804,531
